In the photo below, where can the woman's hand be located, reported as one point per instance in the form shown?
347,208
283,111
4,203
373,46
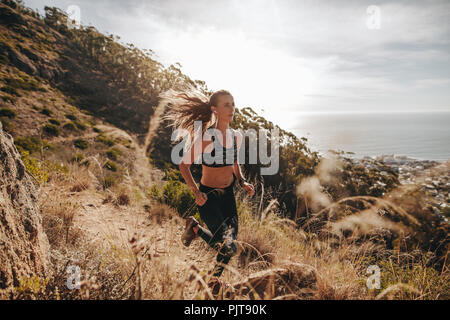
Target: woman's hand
200,198
249,188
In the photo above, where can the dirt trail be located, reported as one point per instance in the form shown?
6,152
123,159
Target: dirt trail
115,225
158,228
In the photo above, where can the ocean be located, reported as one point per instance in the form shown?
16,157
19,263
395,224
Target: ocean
423,136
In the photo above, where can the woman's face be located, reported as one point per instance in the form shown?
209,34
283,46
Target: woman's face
224,108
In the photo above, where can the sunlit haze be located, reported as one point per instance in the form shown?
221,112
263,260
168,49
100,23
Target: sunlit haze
286,58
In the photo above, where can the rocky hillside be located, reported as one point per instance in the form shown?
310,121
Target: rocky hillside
24,248
79,106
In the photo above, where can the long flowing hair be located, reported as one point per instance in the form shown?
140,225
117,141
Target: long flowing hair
185,107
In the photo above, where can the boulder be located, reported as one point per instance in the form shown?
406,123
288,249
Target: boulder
24,247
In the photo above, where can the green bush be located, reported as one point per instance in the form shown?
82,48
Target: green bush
79,125
154,193
113,154
178,195
110,166
46,111
54,121
11,90
41,169
34,167
51,129
25,84
109,181
171,174
104,139
31,144
8,112
96,130
8,125
78,157
9,99
71,117
81,144
70,126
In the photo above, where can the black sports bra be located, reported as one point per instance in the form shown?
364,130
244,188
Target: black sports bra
226,153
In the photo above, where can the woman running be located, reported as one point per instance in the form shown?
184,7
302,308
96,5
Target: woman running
220,169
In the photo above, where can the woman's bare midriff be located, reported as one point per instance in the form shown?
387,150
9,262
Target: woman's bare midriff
217,177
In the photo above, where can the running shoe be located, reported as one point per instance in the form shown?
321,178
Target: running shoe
189,233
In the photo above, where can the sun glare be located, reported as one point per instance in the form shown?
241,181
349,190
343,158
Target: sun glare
258,76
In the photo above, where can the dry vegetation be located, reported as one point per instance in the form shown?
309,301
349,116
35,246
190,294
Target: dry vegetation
103,211
127,247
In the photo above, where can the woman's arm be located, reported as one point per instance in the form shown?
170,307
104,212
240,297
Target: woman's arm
237,169
185,166
185,169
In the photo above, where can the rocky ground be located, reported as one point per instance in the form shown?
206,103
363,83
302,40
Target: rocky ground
433,177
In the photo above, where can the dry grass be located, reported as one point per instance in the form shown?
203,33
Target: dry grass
128,248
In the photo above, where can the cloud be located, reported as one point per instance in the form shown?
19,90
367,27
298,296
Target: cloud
293,56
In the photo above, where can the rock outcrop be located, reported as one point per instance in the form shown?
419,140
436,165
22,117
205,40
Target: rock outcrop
24,247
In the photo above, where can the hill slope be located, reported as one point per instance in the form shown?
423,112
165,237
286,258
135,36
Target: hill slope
79,105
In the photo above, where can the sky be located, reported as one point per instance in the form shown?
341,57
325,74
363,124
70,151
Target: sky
286,58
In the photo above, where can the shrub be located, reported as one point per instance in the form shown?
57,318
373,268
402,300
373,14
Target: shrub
70,126
31,144
54,121
51,129
46,111
109,181
77,158
9,99
79,125
25,84
34,167
171,174
8,112
113,154
81,144
96,130
178,195
35,107
110,166
122,200
11,90
71,117
8,125
154,193
104,139
125,142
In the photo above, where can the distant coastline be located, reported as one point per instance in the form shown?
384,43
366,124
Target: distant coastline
420,136
432,177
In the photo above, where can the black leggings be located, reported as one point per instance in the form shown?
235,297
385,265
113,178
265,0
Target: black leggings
220,216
